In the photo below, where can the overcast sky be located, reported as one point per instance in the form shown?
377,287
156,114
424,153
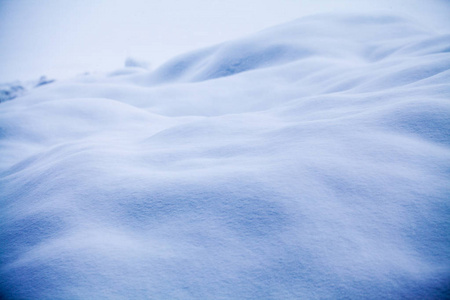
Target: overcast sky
63,38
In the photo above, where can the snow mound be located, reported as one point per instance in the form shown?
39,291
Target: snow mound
322,37
308,161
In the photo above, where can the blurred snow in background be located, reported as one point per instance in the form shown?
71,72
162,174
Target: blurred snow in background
64,38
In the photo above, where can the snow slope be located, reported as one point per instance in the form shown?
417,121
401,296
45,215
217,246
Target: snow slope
308,161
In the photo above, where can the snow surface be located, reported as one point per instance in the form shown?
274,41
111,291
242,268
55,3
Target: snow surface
308,161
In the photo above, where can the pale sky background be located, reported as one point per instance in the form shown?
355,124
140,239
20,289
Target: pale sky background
64,38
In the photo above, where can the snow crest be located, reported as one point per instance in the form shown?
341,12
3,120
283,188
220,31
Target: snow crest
308,161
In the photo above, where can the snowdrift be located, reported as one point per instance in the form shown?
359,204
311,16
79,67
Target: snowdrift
308,161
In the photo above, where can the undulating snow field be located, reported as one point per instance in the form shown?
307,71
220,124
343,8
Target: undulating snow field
308,161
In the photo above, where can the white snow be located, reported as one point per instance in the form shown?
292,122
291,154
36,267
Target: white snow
308,161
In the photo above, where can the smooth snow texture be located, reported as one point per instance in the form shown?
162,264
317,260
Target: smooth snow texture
309,161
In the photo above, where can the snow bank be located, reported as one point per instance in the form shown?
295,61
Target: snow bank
309,161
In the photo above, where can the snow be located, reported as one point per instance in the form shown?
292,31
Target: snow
308,161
